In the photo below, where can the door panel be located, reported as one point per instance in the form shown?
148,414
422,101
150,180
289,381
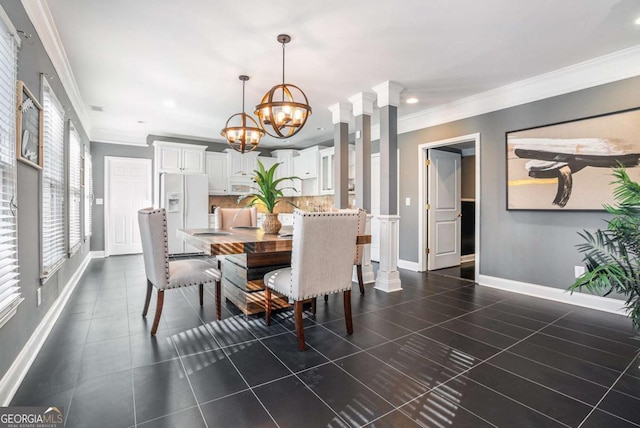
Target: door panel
444,187
129,189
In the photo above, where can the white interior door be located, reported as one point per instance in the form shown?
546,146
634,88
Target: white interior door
444,187
375,206
127,189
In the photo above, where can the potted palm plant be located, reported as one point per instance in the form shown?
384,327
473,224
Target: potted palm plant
269,193
612,256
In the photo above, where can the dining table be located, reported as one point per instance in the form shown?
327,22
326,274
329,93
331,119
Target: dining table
246,254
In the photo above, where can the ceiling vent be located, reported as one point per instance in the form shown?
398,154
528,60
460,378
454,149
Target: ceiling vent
96,108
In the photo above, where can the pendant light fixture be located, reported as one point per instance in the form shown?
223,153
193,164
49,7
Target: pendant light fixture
244,137
283,110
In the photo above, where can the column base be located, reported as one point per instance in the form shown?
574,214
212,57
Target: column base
388,281
368,276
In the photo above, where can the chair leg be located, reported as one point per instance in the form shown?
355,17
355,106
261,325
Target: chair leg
156,320
218,300
360,280
148,299
326,298
201,294
297,309
267,304
314,303
347,311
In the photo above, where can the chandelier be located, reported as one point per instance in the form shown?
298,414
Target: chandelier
282,112
244,137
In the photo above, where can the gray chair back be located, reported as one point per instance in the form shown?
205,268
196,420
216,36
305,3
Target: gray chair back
322,253
153,234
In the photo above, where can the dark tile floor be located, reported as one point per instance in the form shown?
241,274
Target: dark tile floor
441,353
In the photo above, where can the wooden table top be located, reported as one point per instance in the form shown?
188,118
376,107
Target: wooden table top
243,240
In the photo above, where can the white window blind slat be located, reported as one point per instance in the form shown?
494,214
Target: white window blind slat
53,182
75,160
88,192
10,296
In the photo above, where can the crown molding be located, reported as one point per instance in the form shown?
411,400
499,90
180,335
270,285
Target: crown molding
109,136
388,93
41,18
363,103
597,71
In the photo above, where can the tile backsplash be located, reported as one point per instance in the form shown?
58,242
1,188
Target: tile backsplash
307,203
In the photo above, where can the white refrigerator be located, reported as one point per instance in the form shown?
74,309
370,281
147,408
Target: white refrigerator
185,197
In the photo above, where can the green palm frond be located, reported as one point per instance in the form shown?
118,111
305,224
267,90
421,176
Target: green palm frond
268,190
612,256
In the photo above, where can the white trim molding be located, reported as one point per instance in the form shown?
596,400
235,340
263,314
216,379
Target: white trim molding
97,254
408,265
388,94
597,71
40,15
340,112
12,379
388,279
605,304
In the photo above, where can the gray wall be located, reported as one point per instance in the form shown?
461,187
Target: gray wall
32,60
529,246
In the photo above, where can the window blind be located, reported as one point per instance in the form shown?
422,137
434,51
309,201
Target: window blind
75,195
10,296
88,192
53,220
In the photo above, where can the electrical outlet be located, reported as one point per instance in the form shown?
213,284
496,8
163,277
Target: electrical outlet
579,271
407,201
39,296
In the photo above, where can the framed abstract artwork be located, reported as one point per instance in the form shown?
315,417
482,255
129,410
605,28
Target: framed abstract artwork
28,127
567,166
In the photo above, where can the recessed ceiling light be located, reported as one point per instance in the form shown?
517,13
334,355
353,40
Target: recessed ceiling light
141,121
169,103
412,100
638,21
320,128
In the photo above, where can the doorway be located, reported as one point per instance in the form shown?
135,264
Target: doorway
127,189
467,207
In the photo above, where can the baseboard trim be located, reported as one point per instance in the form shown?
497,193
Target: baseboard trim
604,304
468,258
97,254
412,266
15,375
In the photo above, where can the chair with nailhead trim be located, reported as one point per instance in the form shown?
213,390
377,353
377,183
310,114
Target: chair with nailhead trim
163,274
321,263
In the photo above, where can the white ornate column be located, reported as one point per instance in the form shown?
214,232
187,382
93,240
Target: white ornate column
388,99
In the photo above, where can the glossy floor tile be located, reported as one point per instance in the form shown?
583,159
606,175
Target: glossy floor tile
443,352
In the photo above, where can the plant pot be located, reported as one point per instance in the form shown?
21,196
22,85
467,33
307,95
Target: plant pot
271,224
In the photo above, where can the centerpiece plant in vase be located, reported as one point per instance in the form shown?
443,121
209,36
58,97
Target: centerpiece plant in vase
269,193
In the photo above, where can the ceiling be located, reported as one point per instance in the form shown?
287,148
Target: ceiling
129,57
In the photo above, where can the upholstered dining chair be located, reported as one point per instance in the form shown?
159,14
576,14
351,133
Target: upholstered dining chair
321,263
163,274
226,218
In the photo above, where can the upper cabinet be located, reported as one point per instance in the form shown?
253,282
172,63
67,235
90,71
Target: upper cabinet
285,169
241,165
216,166
305,165
179,158
327,166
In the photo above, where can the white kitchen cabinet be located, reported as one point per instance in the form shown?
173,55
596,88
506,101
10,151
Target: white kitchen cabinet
179,158
326,171
216,167
267,162
285,158
305,165
241,165
327,166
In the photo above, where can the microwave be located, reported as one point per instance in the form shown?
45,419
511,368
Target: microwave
241,186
